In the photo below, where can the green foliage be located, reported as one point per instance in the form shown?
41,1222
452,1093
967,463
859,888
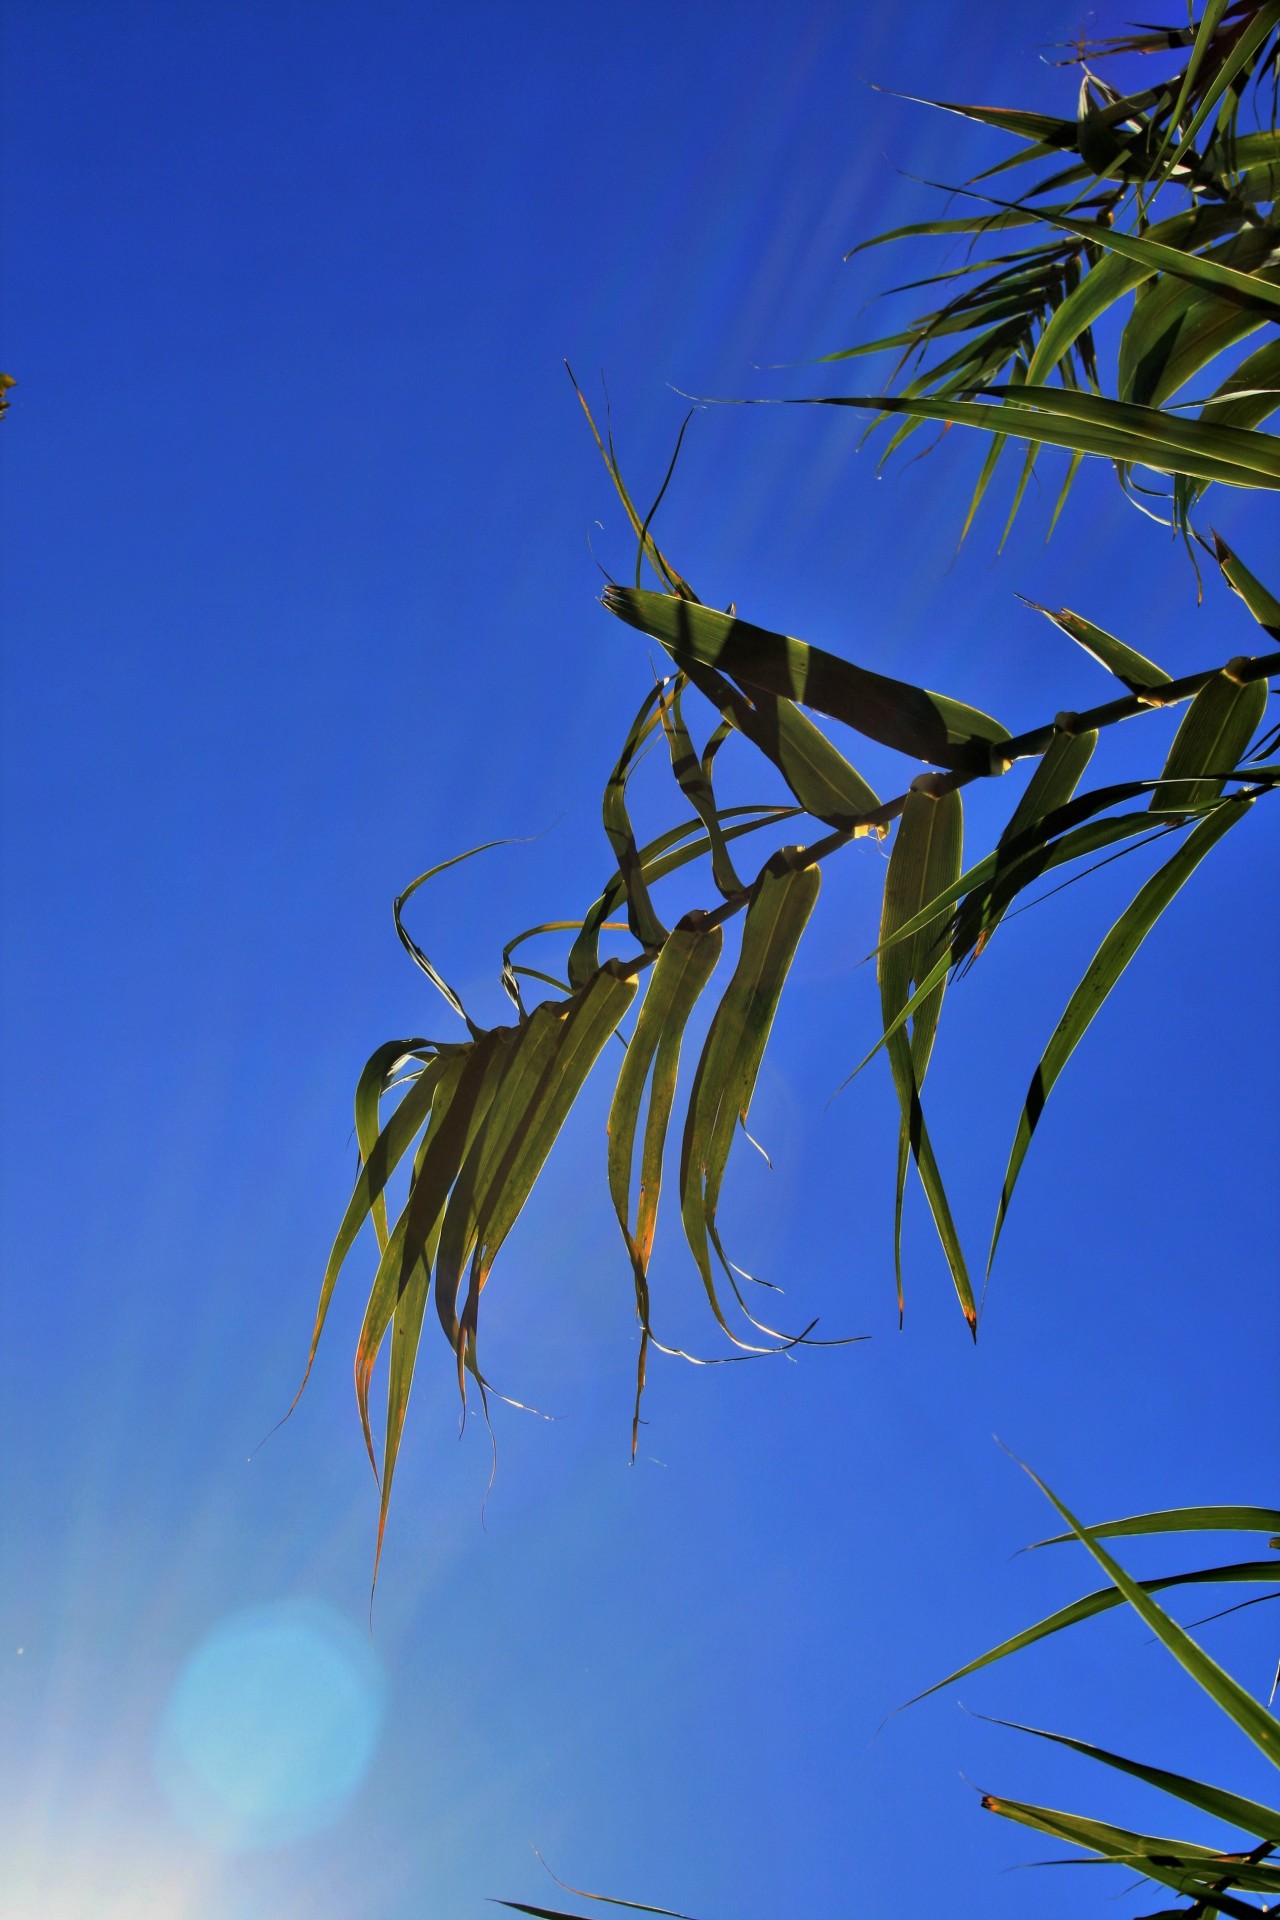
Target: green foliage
1015,351
1143,251
1159,230
485,1111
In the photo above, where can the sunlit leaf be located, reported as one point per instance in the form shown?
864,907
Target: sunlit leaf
683,968
926,859
926,725
782,900
1110,961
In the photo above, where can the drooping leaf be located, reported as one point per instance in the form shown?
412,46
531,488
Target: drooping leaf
384,1154
593,1015
374,1079
782,900
641,917
515,1093
926,859
683,968
464,1096
693,775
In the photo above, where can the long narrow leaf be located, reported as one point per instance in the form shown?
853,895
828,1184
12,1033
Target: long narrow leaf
782,901
926,725
1110,961
1249,1714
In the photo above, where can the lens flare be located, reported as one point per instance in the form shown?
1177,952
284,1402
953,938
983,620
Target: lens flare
271,1726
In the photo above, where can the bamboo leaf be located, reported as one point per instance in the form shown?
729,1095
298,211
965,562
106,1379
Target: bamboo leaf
1178,1864
1246,49
1219,1519
411,947
515,1093
720,1099
683,968
1211,740
643,921
1160,257
1210,21
381,1160
926,859
1110,961
1235,456
375,1076
463,1098
671,851
693,775
1117,275
1246,1572
1234,1808
1262,604
592,1016
926,725
1249,1714
1131,668
1057,774
1176,328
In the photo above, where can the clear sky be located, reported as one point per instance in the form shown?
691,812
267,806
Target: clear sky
299,521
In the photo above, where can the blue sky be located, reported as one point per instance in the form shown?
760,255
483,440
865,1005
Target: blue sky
301,534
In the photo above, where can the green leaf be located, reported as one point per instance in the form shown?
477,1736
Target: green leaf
411,947
643,921
1131,668
1187,1868
1211,741
667,854
1110,961
683,968
693,775
1249,1714
926,859
1210,21
1160,257
1234,1808
592,1016
1109,430
1245,50
381,1160
782,900
1058,773
471,1201
377,1072
926,725
1219,1519
1117,275
1243,1572
990,887
1262,604
1176,328
463,1098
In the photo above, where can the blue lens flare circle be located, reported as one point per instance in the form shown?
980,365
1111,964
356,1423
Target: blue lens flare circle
271,1725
